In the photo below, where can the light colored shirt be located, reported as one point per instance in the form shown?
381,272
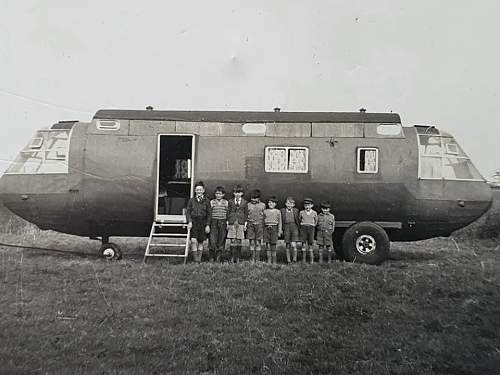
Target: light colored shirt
308,218
272,216
219,209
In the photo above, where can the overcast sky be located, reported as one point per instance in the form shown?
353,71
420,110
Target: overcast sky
434,62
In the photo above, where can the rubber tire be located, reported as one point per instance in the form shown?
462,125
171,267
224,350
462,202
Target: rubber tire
116,249
375,257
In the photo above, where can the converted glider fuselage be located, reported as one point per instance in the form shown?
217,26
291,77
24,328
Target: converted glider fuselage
116,174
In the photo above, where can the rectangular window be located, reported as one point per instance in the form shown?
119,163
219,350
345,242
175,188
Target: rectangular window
287,159
368,160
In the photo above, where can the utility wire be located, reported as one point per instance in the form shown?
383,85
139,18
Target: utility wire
43,102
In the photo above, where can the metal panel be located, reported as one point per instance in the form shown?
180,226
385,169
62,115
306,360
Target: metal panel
288,129
340,130
201,128
145,127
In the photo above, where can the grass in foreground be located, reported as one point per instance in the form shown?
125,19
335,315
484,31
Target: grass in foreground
433,308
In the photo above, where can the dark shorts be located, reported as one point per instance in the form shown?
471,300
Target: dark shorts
271,234
324,237
291,232
198,229
255,231
307,234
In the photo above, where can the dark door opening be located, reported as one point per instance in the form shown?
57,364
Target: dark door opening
175,155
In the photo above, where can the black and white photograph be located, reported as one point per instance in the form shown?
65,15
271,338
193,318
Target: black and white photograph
249,187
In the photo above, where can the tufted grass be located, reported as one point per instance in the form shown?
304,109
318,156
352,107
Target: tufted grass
433,308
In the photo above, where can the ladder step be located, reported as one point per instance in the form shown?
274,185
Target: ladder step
166,255
157,225
167,244
169,235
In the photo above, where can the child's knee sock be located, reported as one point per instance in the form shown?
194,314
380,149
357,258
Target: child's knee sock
233,250
311,254
257,252
304,249
269,257
320,254
329,254
273,254
252,252
288,253
200,252
238,252
294,253
194,250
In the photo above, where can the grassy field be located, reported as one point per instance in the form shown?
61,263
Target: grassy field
433,308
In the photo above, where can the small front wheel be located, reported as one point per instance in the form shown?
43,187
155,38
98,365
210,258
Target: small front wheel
110,251
366,242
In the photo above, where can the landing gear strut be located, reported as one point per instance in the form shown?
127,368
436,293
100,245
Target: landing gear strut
109,250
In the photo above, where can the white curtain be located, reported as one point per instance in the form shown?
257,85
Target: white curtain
297,160
276,160
370,160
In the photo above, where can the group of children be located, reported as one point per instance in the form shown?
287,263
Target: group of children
219,219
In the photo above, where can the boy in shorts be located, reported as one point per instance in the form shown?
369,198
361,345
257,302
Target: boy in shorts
198,216
218,224
291,222
326,226
237,214
308,222
272,229
255,224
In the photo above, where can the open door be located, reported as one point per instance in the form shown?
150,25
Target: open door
174,184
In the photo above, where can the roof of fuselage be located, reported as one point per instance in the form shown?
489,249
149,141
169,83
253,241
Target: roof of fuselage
248,117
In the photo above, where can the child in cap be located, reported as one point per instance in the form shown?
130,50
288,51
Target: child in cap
325,228
198,216
218,224
237,222
255,224
308,222
291,222
272,228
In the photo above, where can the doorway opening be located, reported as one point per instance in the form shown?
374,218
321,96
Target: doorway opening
174,177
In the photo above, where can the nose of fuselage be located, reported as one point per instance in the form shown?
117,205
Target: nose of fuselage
465,210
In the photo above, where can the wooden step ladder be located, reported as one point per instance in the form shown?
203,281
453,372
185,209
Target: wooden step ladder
168,233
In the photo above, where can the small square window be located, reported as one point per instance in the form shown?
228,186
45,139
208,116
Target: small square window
367,160
36,142
452,148
287,159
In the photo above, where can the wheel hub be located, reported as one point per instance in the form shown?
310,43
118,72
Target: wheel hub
365,244
108,253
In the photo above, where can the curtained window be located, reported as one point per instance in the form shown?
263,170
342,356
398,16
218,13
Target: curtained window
286,159
367,160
